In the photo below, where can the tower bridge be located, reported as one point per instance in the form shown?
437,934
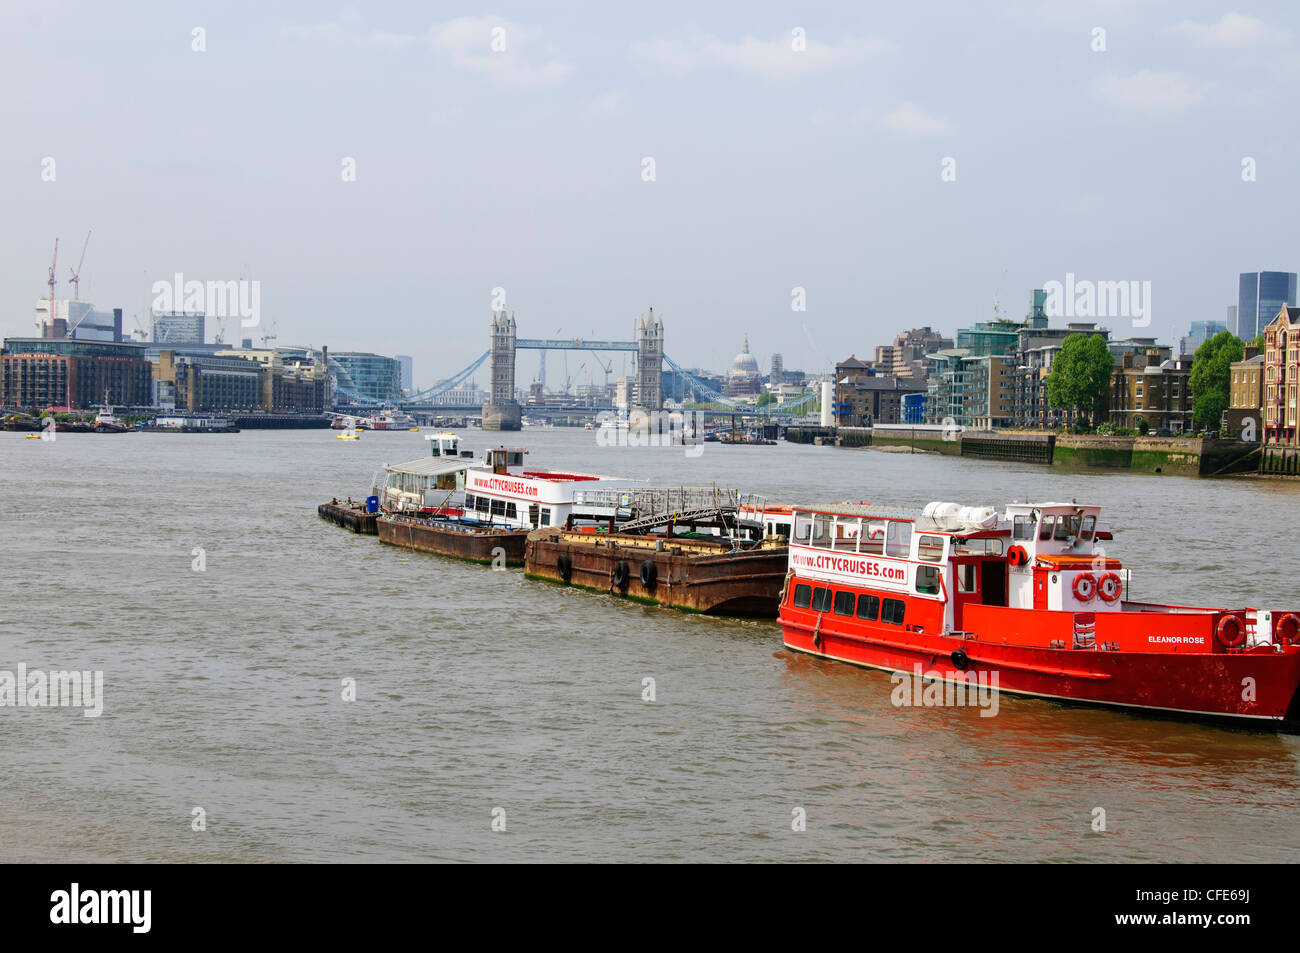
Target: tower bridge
503,412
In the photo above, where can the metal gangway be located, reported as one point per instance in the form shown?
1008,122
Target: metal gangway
651,506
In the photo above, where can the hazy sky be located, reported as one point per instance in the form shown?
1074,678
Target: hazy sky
775,168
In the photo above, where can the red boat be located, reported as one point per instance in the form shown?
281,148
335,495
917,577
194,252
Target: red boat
1029,601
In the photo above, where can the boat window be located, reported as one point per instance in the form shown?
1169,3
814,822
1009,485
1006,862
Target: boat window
821,527
801,532
967,578
930,548
1086,530
868,607
546,517
1067,526
802,596
898,539
892,611
984,546
1045,527
844,602
1023,528
498,507
821,600
469,502
927,580
511,511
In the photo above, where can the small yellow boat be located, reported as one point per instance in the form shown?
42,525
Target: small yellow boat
348,436
33,436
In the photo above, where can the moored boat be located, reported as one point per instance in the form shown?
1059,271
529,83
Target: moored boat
484,510
1029,599
701,549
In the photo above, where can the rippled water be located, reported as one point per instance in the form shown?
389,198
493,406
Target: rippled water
480,690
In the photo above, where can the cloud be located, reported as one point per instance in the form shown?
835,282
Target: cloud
605,106
1150,91
505,52
1232,31
910,119
779,58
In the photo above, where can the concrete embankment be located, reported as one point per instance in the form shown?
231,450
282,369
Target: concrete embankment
1185,456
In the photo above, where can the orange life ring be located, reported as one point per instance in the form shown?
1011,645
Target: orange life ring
1294,637
1016,556
1239,633
1085,586
1109,586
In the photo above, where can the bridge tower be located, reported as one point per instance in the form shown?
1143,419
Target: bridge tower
649,363
502,411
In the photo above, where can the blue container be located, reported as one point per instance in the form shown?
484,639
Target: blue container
372,504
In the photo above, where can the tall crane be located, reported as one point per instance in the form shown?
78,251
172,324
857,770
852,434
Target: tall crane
53,264
76,275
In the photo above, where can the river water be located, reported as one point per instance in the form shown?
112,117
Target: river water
481,695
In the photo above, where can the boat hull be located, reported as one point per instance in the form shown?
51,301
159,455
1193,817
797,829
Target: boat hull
351,516
431,536
1257,686
687,575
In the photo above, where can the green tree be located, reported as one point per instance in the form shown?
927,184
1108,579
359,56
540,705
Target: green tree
1080,374
766,398
1211,376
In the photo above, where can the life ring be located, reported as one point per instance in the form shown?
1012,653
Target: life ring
565,566
1109,586
1230,622
960,660
1085,586
649,574
1017,556
622,572
1293,638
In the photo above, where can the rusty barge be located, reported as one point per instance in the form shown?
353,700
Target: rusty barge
451,536
351,516
696,574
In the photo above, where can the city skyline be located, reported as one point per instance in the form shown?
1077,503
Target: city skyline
778,173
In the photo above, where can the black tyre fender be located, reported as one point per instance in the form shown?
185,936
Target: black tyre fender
960,660
564,565
649,573
622,572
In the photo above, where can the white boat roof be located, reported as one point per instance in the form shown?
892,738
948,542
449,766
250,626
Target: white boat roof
430,466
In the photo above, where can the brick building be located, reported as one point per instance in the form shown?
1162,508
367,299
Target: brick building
72,373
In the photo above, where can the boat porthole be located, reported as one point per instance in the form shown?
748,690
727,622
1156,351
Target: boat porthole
960,660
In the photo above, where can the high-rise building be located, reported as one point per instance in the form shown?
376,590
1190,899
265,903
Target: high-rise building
777,375
1260,296
179,327
906,356
1201,332
1231,323
373,375
408,376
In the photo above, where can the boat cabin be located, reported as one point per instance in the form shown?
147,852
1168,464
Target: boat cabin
947,558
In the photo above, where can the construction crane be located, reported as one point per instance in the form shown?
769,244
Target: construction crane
269,336
53,264
76,275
